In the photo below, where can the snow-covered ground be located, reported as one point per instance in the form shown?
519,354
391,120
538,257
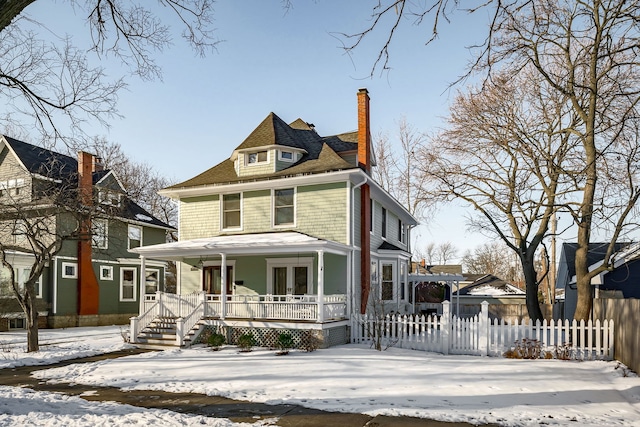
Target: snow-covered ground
348,378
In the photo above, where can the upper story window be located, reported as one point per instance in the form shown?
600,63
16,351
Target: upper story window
231,210
402,232
286,156
284,206
135,236
371,207
384,223
111,198
21,276
11,187
257,157
100,233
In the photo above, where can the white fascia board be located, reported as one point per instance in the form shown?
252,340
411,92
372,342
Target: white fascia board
206,190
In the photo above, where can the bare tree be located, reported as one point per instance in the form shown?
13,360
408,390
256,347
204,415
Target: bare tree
52,85
141,180
446,251
493,258
586,51
36,219
503,154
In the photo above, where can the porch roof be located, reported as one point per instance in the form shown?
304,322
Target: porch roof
241,244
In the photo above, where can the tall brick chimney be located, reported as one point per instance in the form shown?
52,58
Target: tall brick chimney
364,131
88,289
364,162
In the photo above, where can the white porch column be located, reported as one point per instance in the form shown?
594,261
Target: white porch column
320,286
143,281
223,285
349,284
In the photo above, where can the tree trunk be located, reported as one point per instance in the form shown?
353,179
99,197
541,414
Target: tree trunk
531,286
9,9
32,322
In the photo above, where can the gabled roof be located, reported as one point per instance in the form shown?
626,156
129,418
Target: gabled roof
42,162
596,253
320,154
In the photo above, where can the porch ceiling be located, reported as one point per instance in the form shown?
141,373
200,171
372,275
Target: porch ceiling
241,244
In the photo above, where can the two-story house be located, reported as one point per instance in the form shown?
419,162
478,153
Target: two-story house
290,231
89,281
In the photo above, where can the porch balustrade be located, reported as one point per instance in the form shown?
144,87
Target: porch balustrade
254,307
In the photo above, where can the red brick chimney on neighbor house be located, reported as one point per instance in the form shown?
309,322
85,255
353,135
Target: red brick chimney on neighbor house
88,289
364,162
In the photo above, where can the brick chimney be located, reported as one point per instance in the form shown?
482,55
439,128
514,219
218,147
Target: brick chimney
88,289
364,162
364,131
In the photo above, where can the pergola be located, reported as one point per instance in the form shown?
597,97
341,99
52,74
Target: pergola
446,278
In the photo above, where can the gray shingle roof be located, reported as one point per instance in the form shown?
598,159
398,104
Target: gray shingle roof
321,153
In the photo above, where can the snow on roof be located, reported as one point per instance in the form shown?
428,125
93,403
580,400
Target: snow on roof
489,290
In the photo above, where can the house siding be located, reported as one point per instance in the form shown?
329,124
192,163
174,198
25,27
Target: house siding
199,217
321,211
11,169
256,211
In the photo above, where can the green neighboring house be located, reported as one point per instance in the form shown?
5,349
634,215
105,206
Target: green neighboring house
89,282
290,232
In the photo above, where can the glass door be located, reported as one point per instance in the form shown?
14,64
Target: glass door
212,280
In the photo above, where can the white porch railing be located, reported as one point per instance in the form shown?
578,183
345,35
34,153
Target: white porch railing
480,335
188,309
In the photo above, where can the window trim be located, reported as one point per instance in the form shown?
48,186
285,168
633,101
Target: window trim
383,223
222,211
104,242
402,232
138,227
283,159
64,268
135,284
257,162
273,208
290,263
146,272
108,268
394,295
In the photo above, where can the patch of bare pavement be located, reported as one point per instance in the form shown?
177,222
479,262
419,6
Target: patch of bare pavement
282,415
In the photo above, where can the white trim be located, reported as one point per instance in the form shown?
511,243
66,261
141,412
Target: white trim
273,208
75,270
221,209
108,268
135,283
157,271
137,261
290,263
294,156
54,299
129,227
394,279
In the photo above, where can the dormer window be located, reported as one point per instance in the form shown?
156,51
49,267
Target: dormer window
109,198
257,157
286,156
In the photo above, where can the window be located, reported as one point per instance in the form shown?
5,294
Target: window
283,206
387,282
374,272
109,198
401,232
231,210
384,223
135,236
128,284
151,282
69,270
99,233
371,206
21,276
403,291
289,276
17,324
286,156
257,157
106,272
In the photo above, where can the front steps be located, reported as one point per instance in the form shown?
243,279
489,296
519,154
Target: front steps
159,335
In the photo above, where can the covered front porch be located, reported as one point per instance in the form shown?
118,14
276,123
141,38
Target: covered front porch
285,278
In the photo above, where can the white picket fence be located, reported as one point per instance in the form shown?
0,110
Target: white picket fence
482,336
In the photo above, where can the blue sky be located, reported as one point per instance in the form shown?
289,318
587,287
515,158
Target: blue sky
290,63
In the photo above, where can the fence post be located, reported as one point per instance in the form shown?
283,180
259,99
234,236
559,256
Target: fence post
179,331
483,328
133,330
445,326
